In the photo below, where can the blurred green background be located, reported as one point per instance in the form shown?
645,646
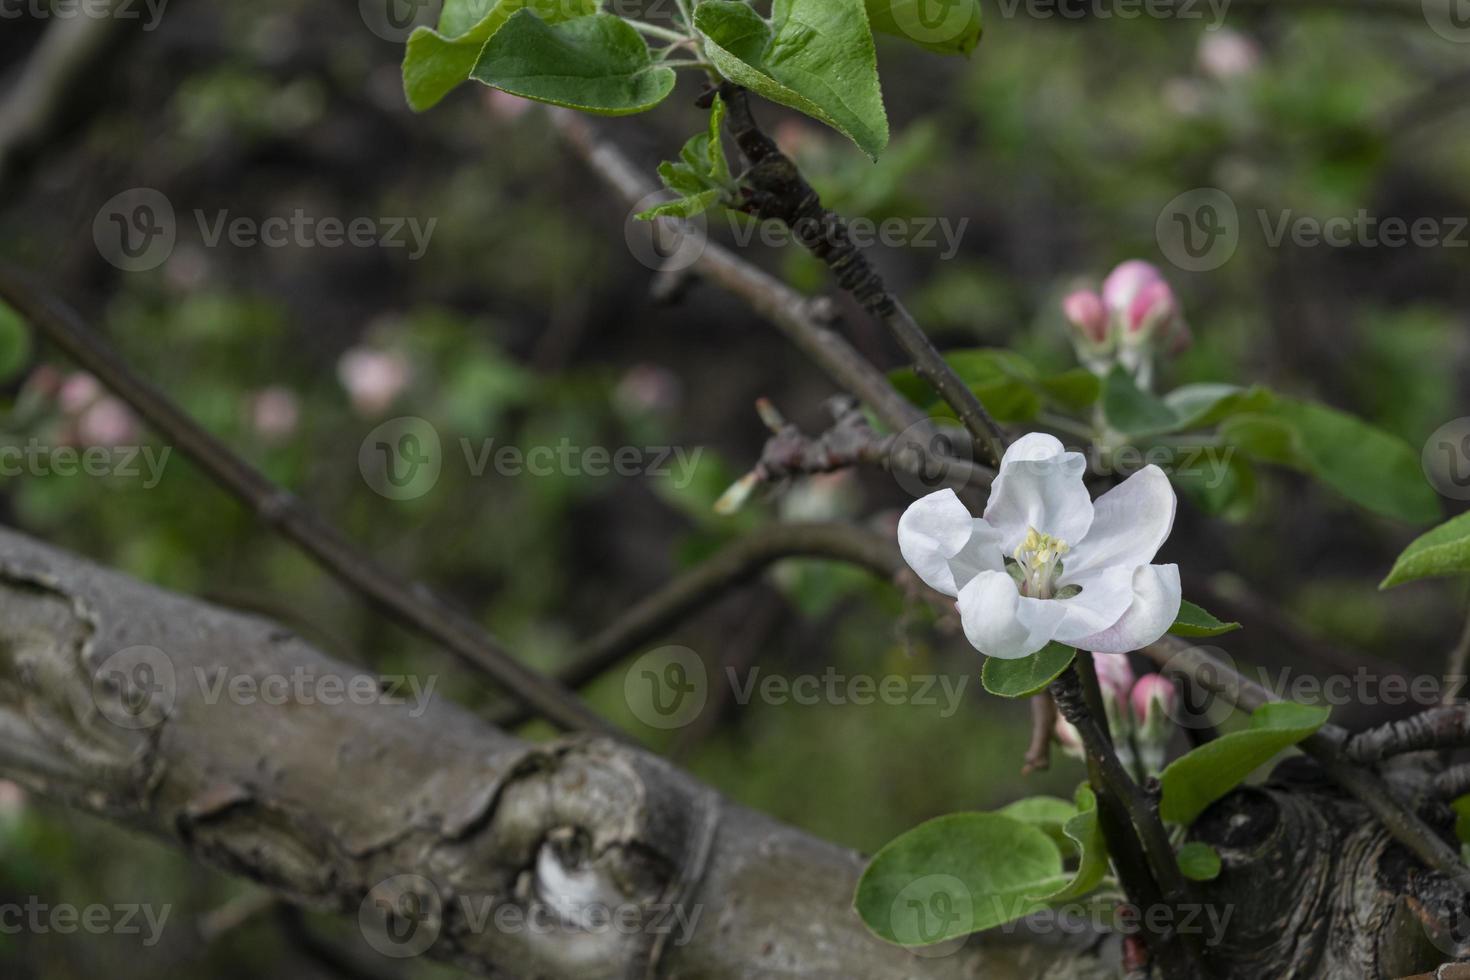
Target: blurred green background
530,321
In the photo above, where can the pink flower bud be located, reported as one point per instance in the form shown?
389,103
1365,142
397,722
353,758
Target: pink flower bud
1115,677
77,392
1153,305
1124,282
108,422
1225,54
1155,699
1069,739
373,378
1084,310
274,412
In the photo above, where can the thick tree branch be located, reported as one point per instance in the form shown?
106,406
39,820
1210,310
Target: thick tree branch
493,854
411,603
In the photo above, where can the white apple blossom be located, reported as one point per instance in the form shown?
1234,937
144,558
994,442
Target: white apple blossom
1046,562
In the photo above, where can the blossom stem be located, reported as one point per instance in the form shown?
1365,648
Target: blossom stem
1134,833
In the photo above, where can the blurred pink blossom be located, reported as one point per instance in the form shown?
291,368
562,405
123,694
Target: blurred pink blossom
1154,701
274,413
373,378
77,391
648,389
1225,54
107,422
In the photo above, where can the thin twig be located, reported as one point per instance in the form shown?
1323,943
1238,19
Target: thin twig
1043,725
696,588
411,603
777,191
1456,664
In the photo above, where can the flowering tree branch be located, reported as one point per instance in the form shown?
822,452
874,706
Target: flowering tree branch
779,192
411,603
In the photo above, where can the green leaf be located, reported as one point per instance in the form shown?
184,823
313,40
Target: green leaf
435,62
1028,675
1133,411
1194,781
701,176
15,343
1073,390
1201,406
1092,864
956,29
598,63
1004,381
1199,862
1366,465
1461,806
955,875
1443,551
1046,812
815,56
1195,621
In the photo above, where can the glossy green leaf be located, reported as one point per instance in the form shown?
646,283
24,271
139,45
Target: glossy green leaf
942,26
1092,864
1195,621
1048,813
1443,551
1201,406
815,56
1199,862
435,62
1368,466
955,875
597,64
1199,778
1133,411
1028,675
1073,390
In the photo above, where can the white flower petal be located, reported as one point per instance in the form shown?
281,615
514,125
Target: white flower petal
944,545
1106,595
1039,485
1129,524
1000,622
1156,597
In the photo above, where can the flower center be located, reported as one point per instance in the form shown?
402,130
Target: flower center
1038,564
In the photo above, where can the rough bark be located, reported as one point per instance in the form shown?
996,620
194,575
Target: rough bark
493,852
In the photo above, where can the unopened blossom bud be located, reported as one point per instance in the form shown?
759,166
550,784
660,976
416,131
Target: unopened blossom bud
1154,701
1069,739
12,805
373,378
108,422
77,392
1115,678
274,412
1085,311
1124,283
1153,307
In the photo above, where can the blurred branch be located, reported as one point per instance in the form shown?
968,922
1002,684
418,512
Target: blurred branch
1043,725
34,100
778,191
411,603
691,591
1457,663
1445,727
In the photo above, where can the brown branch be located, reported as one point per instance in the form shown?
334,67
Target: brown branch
784,307
696,588
411,603
1444,727
1043,727
777,191
499,853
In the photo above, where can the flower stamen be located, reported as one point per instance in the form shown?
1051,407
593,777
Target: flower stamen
1039,562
